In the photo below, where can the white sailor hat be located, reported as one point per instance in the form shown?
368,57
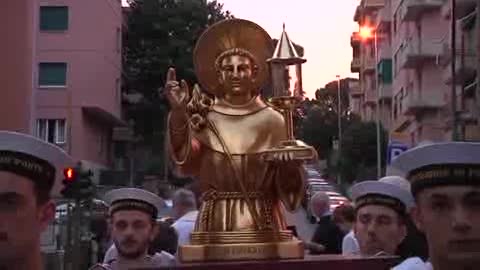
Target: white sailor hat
35,159
390,191
440,164
134,199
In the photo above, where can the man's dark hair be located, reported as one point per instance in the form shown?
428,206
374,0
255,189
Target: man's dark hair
344,212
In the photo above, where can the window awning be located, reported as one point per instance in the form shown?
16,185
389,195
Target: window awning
103,116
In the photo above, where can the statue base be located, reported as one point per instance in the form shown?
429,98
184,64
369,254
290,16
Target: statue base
297,148
293,249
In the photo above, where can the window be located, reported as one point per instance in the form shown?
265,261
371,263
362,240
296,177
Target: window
53,18
401,97
119,39
395,63
52,130
395,107
52,74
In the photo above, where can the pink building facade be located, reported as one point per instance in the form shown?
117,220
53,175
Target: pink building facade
412,77
67,89
17,54
419,95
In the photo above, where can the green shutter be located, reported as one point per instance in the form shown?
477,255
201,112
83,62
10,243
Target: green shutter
385,71
53,18
52,74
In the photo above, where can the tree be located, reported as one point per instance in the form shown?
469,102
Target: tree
319,127
161,34
359,151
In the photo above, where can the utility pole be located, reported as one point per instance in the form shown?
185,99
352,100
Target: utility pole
453,25
378,104
477,32
339,115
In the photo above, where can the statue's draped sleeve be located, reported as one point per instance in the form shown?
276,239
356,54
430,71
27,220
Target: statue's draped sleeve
288,178
184,148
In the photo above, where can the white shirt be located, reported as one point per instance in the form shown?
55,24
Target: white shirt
414,263
350,244
184,227
159,259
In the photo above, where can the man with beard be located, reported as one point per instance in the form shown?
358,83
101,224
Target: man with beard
381,208
445,179
133,214
29,172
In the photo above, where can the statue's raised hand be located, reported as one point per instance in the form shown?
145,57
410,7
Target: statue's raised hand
177,93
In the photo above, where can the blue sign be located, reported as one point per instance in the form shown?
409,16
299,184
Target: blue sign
395,149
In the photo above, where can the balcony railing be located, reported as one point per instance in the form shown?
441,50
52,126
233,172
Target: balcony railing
355,65
413,9
465,65
368,64
416,103
356,91
373,4
355,39
415,52
370,97
384,19
385,91
462,8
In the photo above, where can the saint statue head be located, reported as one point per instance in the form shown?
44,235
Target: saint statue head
230,59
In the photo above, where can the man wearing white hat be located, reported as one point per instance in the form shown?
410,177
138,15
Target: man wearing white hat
29,174
133,214
445,180
381,208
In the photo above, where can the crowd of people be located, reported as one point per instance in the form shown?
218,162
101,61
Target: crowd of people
337,232
428,214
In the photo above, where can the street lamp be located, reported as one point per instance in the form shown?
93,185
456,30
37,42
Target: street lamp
367,32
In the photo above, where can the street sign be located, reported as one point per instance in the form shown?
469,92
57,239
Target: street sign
394,150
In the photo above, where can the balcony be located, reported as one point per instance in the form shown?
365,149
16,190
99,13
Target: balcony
401,122
355,91
358,14
385,91
465,66
368,64
372,4
416,52
384,20
462,8
413,9
355,39
370,97
416,104
355,65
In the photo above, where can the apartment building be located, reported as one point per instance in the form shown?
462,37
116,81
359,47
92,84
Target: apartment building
65,84
354,102
367,52
465,68
413,59
419,94
17,63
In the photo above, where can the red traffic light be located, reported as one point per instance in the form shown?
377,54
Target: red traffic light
69,174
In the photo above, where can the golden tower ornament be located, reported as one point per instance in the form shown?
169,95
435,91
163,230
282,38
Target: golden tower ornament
285,65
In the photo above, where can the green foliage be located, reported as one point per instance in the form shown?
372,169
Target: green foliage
161,34
359,151
319,127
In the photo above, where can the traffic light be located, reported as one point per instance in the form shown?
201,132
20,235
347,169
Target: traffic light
77,183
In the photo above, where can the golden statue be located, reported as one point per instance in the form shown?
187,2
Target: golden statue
222,143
